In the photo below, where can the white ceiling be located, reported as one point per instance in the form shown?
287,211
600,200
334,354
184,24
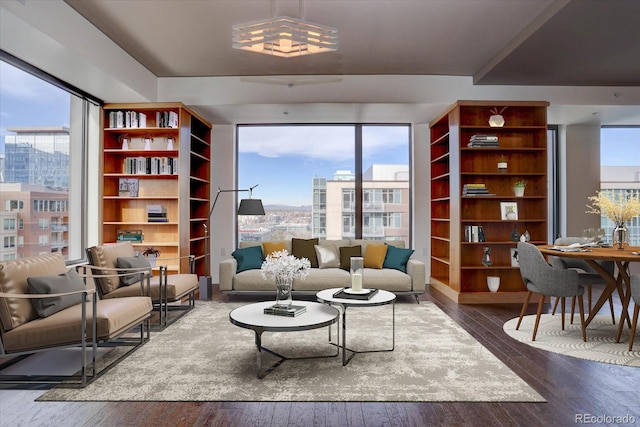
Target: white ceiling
564,51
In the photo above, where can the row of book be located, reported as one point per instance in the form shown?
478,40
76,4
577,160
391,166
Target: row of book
482,140
475,190
474,233
156,213
136,119
134,236
151,165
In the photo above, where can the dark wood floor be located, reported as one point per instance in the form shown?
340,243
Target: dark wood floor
570,386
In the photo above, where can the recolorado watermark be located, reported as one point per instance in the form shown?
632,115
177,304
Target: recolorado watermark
604,419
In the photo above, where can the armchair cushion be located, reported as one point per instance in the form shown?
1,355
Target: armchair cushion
397,258
248,258
136,262
66,282
106,256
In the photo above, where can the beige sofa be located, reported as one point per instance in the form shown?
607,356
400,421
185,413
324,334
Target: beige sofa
250,281
59,313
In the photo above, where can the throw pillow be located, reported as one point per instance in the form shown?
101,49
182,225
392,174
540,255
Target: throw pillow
269,247
328,256
135,262
374,255
248,258
397,258
66,282
305,248
346,252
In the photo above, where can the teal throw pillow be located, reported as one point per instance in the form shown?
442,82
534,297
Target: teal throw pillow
248,258
397,258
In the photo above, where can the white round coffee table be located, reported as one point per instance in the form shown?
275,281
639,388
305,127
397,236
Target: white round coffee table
252,317
381,297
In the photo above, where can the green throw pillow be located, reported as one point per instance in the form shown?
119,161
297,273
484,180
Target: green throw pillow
346,252
134,262
305,248
66,282
397,258
248,258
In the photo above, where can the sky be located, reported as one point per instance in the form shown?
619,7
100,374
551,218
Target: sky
270,155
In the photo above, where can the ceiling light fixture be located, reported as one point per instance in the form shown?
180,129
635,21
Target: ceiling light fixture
285,36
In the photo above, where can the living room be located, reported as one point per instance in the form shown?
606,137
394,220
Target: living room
97,65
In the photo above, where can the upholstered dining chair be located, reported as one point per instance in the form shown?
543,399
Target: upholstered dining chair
543,279
635,296
588,276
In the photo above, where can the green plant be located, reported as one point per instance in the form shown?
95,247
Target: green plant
520,184
151,251
502,159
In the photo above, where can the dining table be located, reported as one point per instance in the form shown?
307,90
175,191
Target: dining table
618,280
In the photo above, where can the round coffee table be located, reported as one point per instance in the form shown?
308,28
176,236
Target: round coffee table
381,297
252,317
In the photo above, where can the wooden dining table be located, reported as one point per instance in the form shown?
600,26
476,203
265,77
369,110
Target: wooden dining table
619,280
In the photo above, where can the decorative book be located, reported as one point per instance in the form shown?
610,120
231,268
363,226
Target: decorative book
291,311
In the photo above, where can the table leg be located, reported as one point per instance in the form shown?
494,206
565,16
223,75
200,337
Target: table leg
611,286
345,360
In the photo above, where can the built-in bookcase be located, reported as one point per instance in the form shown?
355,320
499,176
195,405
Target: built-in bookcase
456,262
156,179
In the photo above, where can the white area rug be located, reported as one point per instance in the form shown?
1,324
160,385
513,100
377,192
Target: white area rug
601,343
203,357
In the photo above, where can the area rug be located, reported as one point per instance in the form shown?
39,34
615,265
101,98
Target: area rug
203,357
601,344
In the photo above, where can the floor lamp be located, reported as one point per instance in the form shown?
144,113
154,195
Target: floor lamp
247,207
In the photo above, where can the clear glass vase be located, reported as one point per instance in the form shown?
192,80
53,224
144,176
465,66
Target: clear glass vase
620,236
283,292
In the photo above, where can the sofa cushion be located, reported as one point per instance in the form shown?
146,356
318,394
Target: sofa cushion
319,279
374,255
66,282
13,279
136,262
248,258
106,256
270,247
305,248
397,258
346,252
386,278
328,256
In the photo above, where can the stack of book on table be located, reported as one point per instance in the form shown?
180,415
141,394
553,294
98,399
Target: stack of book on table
483,141
291,311
156,213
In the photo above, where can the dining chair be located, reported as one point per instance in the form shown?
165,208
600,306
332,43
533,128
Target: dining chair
635,295
588,276
541,278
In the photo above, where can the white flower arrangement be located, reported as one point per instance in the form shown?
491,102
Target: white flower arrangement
284,267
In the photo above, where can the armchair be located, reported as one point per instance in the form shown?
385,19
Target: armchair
543,279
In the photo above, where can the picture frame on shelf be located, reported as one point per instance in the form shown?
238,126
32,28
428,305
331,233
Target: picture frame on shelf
508,210
515,262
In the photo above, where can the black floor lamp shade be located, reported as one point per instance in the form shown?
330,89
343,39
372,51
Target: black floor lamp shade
251,207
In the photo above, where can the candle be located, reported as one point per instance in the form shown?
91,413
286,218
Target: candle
356,282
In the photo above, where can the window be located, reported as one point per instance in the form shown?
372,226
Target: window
9,242
620,171
43,144
326,181
9,224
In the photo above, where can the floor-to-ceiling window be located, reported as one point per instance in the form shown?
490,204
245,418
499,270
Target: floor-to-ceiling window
42,163
326,181
620,171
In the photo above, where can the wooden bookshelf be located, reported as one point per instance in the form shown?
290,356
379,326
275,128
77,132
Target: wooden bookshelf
456,268
178,179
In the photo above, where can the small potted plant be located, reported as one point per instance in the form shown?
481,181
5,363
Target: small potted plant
502,164
518,188
152,255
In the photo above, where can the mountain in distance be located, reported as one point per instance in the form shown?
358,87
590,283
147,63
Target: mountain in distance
287,208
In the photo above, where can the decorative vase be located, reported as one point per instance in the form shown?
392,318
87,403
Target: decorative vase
496,121
357,265
125,142
486,257
169,143
283,292
147,142
518,191
515,234
493,283
620,236
502,167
